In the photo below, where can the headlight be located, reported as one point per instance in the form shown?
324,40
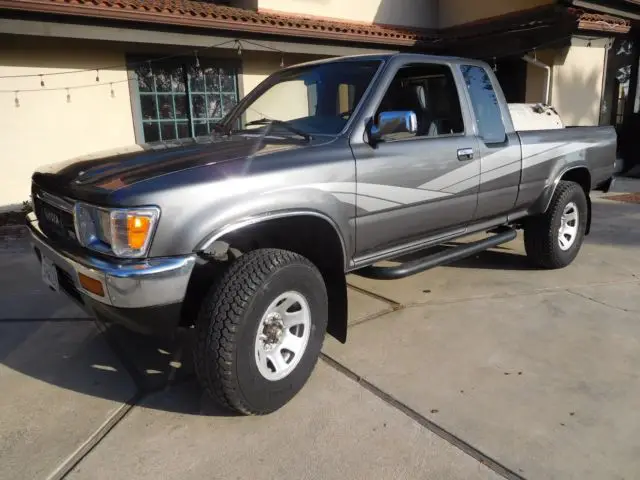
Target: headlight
121,232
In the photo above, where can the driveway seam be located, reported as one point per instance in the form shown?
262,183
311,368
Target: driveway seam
94,439
447,436
73,460
599,302
395,305
498,296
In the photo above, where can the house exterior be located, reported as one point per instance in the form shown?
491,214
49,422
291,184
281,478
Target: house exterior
81,76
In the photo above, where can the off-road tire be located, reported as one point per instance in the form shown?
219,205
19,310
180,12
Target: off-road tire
541,232
228,321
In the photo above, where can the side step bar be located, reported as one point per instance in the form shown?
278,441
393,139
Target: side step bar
437,259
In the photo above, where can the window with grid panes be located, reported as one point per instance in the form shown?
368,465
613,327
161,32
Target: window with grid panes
179,98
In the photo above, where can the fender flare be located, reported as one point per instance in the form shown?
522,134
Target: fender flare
543,202
541,205
235,226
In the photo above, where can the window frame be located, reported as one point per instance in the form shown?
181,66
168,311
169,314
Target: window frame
456,84
185,61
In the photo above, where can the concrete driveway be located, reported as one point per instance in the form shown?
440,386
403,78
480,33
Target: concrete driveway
484,369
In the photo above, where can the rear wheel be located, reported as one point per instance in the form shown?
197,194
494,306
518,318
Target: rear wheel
260,331
552,240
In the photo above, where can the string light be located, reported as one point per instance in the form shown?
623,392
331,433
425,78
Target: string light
117,67
129,66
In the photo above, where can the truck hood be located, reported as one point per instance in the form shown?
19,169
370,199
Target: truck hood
95,176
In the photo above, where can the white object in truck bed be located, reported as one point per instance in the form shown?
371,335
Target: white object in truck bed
534,116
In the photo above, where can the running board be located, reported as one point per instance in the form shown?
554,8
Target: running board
437,259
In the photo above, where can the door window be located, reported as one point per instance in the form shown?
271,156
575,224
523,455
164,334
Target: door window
430,92
485,104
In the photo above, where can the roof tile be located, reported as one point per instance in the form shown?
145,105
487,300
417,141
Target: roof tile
220,16
207,15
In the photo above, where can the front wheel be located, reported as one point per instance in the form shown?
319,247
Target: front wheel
260,331
552,240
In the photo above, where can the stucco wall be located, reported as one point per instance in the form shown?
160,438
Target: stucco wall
45,128
577,84
455,12
417,13
576,81
536,77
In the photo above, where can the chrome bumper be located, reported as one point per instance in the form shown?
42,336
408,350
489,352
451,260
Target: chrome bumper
141,283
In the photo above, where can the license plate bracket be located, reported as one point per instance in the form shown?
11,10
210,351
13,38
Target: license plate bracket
50,274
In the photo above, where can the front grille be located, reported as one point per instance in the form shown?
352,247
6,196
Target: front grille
55,222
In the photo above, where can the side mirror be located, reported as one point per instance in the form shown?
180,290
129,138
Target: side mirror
394,125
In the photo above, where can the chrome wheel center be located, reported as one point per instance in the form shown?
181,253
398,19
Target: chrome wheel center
272,331
282,335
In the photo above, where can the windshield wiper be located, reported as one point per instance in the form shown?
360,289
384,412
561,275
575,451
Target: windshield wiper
286,125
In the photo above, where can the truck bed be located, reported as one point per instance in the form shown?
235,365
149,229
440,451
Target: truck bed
547,153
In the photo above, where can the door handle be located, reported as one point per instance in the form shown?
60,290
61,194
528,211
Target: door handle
465,154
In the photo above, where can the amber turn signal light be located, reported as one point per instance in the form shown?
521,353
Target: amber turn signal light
137,231
91,285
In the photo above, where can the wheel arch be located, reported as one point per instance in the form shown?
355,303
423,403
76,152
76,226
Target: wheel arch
579,174
318,238
257,221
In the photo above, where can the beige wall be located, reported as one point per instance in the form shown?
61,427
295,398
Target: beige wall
45,128
536,77
577,84
455,12
416,13
576,81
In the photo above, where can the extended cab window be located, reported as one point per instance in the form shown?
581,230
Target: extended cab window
485,104
430,92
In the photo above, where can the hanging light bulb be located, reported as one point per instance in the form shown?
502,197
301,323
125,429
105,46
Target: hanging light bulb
97,75
17,101
113,93
197,60
281,61
68,96
41,80
239,48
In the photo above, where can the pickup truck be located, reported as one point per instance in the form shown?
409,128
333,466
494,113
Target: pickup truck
326,168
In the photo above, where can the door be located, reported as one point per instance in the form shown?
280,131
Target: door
500,149
422,184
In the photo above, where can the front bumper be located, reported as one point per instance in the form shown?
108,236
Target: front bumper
138,293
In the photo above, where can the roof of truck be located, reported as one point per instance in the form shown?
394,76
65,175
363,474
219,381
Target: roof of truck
387,56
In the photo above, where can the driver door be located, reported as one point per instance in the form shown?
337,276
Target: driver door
423,184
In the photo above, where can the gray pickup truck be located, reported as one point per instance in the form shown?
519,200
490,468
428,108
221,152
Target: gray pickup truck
324,169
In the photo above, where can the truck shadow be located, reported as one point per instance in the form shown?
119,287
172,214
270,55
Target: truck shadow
44,355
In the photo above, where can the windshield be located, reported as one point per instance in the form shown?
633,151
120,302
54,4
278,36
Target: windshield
314,99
